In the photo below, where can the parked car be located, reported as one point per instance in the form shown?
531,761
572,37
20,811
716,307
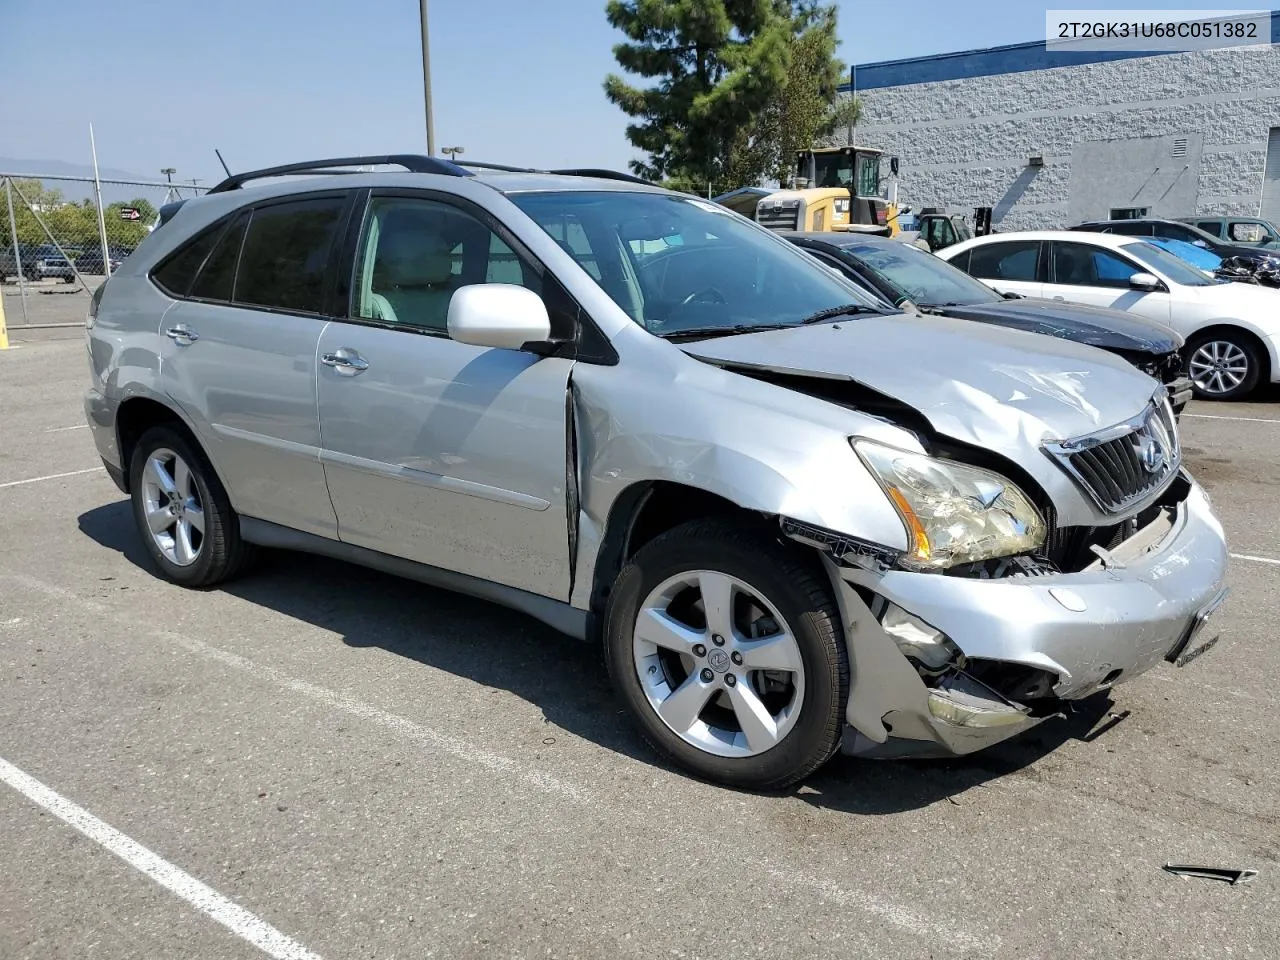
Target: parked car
903,274
744,200
1177,230
794,520
91,261
1243,231
1232,329
42,262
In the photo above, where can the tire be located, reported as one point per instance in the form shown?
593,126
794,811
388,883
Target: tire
806,728
1225,365
216,554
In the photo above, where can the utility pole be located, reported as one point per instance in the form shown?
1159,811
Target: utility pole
426,79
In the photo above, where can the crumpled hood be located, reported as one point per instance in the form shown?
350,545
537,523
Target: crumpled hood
1004,390
1097,326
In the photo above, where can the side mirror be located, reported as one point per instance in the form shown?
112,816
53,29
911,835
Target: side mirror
501,315
1144,281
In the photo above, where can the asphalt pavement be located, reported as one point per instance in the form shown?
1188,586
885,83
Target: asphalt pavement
322,761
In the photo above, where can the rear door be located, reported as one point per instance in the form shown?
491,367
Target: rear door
437,451
1098,276
1010,266
239,351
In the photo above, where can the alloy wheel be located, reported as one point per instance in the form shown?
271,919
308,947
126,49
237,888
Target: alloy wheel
718,664
1218,366
172,507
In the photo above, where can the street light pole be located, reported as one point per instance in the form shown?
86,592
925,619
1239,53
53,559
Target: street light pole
169,172
452,152
426,79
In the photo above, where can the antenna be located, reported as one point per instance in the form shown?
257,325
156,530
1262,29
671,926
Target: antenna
221,161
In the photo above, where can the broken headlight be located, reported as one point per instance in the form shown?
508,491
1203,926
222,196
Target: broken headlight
953,513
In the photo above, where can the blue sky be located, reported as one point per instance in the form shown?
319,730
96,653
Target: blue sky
271,81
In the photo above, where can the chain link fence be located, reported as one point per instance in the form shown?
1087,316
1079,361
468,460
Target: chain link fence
61,237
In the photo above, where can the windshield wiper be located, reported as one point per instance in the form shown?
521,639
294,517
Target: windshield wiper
847,310
724,331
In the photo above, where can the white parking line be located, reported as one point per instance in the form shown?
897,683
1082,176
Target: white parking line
74,426
208,901
1245,556
52,476
1208,416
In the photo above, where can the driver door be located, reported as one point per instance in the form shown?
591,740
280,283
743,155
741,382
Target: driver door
436,451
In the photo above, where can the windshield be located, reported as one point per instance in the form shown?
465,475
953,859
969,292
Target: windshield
1166,263
920,276
676,263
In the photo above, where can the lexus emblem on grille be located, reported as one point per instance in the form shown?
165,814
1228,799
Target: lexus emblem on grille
1150,453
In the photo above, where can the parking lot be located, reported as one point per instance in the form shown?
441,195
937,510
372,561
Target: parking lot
323,761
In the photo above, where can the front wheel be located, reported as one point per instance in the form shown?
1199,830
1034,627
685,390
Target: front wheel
1223,366
725,646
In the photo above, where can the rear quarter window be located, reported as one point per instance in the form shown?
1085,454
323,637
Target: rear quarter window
177,272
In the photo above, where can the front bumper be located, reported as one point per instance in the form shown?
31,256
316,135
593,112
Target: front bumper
1090,630
1180,393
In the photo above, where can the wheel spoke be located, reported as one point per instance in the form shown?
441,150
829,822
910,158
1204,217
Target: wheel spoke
662,630
182,548
194,515
681,709
717,602
778,652
182,477
160,519
756,722
160,476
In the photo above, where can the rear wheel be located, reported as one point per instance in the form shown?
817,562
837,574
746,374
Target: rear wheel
726,648
182,511
1224,365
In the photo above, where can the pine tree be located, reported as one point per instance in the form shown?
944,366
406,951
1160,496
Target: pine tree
717,64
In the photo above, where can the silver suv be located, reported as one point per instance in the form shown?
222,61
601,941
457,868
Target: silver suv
793,518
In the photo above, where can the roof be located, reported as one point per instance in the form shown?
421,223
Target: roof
992,61
841,239
1113,241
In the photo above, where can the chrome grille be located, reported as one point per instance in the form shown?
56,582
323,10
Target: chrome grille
1126,463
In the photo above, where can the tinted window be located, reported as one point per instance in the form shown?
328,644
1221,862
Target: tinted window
1210,226
1166,263
1015,260
1178,232
1130,229
218,275
1082,265
287,252
176,274
414,254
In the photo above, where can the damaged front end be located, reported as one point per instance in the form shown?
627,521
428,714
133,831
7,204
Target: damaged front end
947,662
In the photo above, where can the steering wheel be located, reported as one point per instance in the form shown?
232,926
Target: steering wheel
696,297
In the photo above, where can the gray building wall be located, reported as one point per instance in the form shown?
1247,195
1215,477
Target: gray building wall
1106,132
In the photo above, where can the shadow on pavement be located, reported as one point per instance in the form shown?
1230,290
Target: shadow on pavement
564,678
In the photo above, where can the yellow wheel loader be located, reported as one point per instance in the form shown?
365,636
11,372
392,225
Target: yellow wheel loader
837,188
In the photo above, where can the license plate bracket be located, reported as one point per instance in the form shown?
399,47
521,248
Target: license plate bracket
1182,653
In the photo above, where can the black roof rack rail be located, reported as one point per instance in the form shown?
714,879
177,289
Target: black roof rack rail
414,163
603,175
576,172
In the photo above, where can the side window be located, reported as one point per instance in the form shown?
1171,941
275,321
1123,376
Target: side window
179,269
218,275
961,262
1015,260
1177,232
415,253
287,251
1245,232
1079,264
1131,229
1211,226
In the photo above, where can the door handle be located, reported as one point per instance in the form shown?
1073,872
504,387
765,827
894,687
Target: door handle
182,335
346,362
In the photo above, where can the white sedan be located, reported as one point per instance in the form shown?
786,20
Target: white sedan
1232,329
